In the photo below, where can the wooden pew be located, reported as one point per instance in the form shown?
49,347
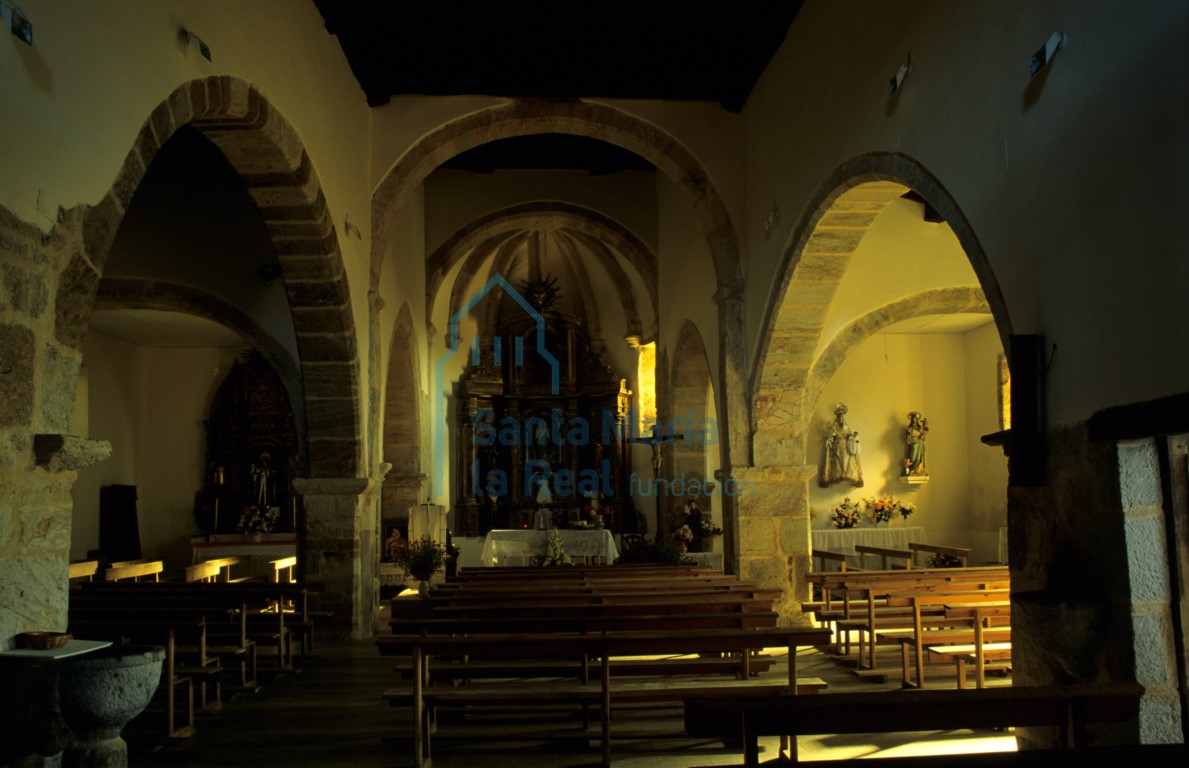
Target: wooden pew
860,591
217,569
135,571
862,550
920,608
274,611
602,646
82,570
1071,708
283,570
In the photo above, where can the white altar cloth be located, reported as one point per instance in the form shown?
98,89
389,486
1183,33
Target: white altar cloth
519,546
843,540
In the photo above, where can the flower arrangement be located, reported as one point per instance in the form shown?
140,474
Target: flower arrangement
683,534
555,553
846,514
421,559
942,560
881,509
256,519
710,529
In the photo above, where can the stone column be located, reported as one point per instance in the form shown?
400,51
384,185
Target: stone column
772,512
339,532
35,529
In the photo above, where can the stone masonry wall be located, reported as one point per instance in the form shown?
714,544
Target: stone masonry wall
1151,594
1071,614
38,376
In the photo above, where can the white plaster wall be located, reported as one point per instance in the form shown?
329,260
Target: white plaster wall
880,382
150,404
1060,177
987,466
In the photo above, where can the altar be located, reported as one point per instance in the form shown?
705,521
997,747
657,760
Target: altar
843,540
519,546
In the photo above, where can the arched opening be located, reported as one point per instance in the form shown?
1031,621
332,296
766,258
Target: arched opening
884,307
402,426
694,455
293,290
605,123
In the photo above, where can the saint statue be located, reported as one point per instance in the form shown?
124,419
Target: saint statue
914,456
840,464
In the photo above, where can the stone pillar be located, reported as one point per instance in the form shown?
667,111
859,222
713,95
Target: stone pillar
35,529
1153,626
772,512
1071,602
339,552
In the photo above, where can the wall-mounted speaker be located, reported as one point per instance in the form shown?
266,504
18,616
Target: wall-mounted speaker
1028,462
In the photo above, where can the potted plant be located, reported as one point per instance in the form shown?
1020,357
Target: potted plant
421,559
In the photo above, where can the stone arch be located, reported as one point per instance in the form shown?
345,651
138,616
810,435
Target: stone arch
130,293
794,360
522,117
277,172
837,218
691,381
402,421
938,301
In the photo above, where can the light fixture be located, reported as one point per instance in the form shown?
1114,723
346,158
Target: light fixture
897,80
196,41
1042,57
17,21
771,219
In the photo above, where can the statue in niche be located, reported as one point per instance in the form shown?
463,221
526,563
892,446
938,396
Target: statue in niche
840,463
914,456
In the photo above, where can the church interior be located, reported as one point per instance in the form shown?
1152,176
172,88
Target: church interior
295,280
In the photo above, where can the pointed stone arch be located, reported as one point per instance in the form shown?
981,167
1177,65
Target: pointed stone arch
402,421
523,117
837,218
795,360
691,383
277,172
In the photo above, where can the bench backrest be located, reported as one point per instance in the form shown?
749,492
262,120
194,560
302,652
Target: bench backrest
135,571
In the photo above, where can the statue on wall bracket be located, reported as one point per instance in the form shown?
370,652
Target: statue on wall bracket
914,438
840,460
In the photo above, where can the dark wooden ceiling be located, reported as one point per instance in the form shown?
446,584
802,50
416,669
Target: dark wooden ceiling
702,50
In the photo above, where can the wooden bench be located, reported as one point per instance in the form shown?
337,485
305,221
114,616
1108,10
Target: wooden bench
977,654
135,571
563,646
283,570
82,569
863,592
218,569
920,609
884,555
1071,708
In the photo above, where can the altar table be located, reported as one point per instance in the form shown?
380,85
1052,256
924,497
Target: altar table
519,546
843,540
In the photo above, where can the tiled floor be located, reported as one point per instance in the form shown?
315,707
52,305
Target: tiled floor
330,714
